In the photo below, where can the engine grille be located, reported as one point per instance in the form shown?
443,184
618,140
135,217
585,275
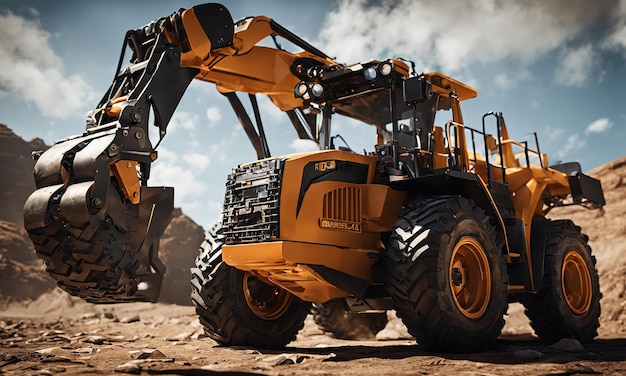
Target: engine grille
343,204
251,203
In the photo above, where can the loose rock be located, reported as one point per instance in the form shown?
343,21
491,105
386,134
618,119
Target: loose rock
128,320
569,345
528,354
147,354
50,351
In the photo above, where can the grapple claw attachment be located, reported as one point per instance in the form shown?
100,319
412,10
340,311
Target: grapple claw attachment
93,224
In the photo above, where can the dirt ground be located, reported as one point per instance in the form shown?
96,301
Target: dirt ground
58,334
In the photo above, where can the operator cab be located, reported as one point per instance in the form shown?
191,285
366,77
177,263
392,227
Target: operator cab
400,105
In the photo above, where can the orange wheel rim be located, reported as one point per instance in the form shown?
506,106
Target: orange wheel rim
470,278
267,302
576,283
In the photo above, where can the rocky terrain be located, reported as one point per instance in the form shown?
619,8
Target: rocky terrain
20,270
141,338
45,331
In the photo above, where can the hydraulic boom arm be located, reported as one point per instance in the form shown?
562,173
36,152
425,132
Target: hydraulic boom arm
93,219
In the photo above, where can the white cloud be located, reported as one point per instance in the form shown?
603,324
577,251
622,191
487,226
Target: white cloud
575,66
236,131
555,133
197,161
617,38
573,143
187,182
31,70
303,145
452,34
507,81
504,82
213,210
33,12
166,154
196,188
599,126
187,185
270,111
214,115
183,120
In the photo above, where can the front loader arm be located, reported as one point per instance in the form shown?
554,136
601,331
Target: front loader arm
93,219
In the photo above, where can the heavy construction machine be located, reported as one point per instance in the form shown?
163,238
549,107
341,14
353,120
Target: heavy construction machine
444,223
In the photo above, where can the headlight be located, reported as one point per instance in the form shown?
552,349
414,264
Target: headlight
370,74
306,90
317,90
301,89
385,68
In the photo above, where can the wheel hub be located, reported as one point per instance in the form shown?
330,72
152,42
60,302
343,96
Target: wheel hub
576,283
470,278
457,277
266,301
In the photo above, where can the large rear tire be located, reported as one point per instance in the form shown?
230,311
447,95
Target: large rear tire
332,317
447,275
236,308
568,304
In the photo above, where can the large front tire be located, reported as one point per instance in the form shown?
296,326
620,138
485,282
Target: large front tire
568,304
237,308
447,275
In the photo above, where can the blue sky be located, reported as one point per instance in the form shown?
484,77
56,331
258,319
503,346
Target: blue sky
555,67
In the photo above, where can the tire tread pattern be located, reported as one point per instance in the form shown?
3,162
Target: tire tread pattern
547,310
417,286
220,312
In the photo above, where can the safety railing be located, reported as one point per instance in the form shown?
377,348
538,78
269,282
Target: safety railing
460,139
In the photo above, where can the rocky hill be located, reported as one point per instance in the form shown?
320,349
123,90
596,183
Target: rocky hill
178,250
22,274
16,170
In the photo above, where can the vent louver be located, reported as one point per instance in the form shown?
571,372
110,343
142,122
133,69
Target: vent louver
342,209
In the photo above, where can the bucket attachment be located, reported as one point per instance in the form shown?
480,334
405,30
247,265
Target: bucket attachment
94,226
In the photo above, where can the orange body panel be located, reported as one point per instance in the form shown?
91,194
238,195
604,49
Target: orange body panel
125,173
244,66
285,264
337,225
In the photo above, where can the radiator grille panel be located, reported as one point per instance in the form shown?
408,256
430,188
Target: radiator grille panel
251,204
343,204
